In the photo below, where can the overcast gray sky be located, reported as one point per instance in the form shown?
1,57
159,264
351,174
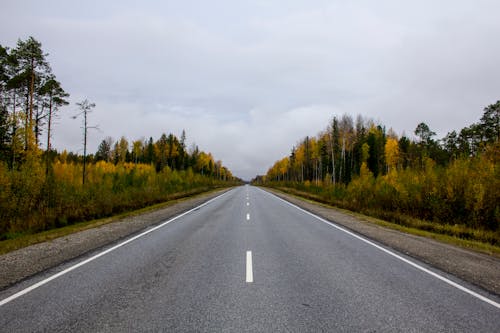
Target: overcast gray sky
248,79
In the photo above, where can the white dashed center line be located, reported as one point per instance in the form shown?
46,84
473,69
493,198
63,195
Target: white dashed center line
249,267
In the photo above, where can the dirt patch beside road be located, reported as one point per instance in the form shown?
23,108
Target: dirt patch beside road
477,268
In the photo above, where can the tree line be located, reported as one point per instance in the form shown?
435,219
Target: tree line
41,188
168,151
338,152
359,164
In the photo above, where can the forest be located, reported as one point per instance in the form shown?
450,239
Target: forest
41,188
449,186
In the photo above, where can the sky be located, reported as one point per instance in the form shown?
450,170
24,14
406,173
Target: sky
248,79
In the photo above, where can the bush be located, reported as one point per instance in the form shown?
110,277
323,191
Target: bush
33,200
460,200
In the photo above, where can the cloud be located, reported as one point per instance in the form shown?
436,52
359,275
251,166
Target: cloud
247,80
247,146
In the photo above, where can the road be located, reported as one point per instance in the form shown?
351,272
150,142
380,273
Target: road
246,262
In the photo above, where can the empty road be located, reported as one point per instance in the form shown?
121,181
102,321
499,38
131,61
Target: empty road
246,262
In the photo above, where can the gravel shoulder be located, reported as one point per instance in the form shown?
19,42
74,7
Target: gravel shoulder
479,269
23,263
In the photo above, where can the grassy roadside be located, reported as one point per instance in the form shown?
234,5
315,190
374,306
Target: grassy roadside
474,245
23,240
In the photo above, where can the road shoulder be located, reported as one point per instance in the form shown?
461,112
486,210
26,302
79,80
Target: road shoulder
479,269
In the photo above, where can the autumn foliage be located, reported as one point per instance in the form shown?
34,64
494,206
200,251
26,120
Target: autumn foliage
41,189
32,200
449,186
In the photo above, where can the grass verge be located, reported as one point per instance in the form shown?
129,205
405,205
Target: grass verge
418,227
21,240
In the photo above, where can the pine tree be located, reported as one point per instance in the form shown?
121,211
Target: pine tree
54,98
32,66
104,151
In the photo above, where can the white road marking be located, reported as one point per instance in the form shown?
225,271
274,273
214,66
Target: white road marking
409,262
86,261
248,217
249,267
248,203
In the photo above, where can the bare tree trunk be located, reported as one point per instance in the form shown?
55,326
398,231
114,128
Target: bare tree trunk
342,159
84,146
14,129
26,120
333,162
31,93
48,136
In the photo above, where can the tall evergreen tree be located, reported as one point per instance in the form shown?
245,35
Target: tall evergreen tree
104,151
490,123
161,152
32,66
4,114
150,151
55,97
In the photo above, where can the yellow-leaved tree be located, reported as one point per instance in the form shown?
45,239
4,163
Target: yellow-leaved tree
391,154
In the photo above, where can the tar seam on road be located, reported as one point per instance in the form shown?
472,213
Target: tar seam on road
249,267
86,261
409,262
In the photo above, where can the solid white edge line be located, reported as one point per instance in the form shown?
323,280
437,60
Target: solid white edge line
417,266
86,261
249,267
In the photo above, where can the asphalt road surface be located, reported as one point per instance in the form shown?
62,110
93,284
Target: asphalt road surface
246,262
